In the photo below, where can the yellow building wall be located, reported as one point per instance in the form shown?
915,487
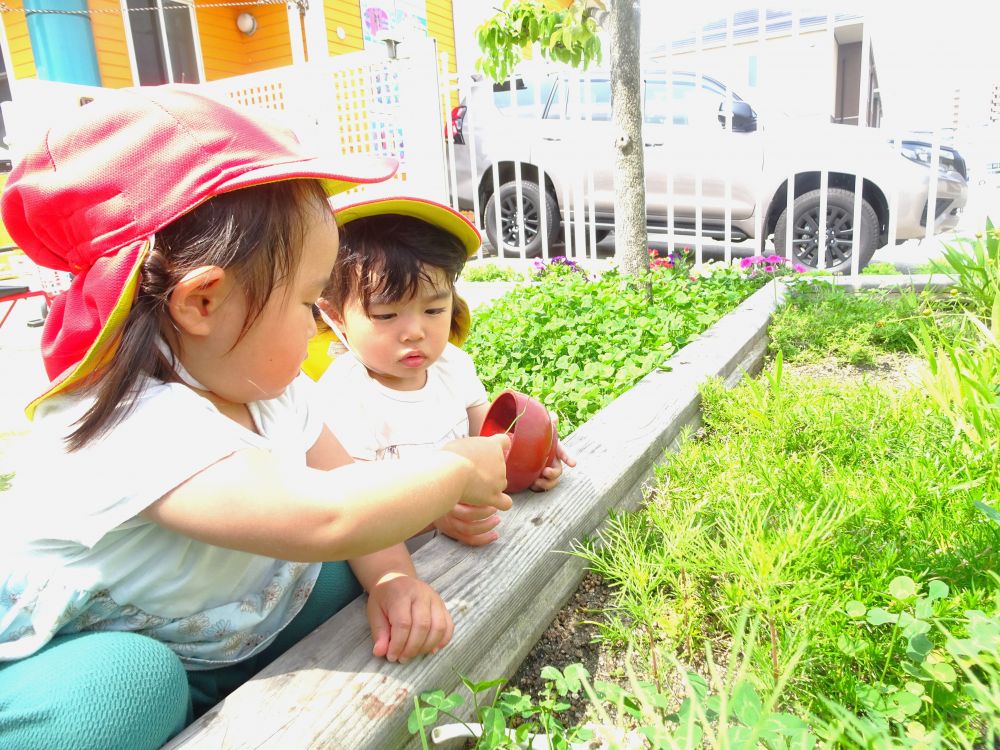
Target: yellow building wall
346,15
228,52
441,26
16,27
109,40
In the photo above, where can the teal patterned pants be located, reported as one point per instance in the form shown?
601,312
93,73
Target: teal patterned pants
124,691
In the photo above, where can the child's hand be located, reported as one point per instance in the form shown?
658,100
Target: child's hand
470,525
488,477
551,473
407,618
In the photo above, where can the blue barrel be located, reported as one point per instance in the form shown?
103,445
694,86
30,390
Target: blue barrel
63,43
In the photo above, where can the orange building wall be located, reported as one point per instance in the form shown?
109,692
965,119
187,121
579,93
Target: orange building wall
346,15
109,40
16,28
227,52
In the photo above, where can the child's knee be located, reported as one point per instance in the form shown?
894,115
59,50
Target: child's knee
93,690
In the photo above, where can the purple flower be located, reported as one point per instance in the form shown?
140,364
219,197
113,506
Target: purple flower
747,262
799,268
774,259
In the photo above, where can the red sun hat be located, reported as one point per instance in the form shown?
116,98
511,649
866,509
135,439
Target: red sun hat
90,194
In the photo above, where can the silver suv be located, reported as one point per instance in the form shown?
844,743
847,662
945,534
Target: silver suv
701,144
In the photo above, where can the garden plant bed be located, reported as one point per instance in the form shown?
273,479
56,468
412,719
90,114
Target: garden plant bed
328,692
830,500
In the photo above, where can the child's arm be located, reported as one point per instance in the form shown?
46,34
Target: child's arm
251,501
407,617
477,415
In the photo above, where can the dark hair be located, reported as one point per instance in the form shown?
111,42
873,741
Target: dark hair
256,233
383,259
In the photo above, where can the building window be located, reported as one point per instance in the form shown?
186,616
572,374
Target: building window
163,42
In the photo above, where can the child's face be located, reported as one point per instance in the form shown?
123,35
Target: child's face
263,363
398,341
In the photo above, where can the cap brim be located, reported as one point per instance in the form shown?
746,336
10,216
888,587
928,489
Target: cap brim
433,213
335,174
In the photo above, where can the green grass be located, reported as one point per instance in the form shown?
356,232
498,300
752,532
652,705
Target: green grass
821,321
799,496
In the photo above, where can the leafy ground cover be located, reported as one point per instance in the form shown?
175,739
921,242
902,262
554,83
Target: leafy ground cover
490,272
575,343
816,566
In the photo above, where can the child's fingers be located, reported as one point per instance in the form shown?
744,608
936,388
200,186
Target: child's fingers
503,502
472,514
449,630
401,621
380,628
477,540
420,626
439,634
562,455
548,479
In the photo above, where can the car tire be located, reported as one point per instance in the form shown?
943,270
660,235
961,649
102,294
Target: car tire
840,231
532,213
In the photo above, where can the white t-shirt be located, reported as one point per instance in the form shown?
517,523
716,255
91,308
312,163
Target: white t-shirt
74,555
375,423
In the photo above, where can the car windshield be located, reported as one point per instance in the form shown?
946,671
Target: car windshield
530,95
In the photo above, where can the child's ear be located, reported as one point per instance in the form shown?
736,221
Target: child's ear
324,305
196,298
461,320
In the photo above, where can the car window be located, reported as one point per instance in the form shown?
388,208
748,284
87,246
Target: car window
588,99
684,103
529,98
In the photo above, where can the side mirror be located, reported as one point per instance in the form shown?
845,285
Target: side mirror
743,118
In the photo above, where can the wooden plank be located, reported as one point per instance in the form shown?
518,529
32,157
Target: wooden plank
328,692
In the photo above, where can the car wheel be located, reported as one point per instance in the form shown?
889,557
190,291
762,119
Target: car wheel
530,219
838,243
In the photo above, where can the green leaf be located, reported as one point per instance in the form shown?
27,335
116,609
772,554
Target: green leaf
902,704
855,609
914,687
424,716
851,646
746,703
879,616
902,588
493,723
941,671
481,687
937,589
919,645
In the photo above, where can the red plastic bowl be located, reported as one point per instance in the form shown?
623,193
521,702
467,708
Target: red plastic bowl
533,442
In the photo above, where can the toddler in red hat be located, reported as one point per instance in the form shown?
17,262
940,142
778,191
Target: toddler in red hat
184,514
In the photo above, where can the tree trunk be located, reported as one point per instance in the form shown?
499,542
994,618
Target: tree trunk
626,111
